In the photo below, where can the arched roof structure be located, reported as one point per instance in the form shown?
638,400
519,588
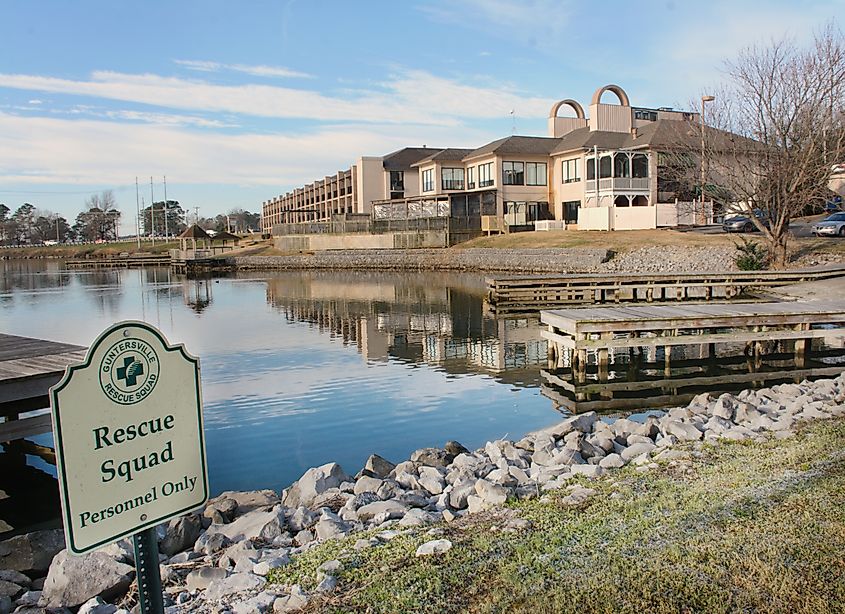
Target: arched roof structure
620,94
579,110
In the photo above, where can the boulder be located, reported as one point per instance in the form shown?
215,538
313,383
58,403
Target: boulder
313,482
682,430
248,500
417,517
433,457
454,448
437,546
236,583
393,509
302,518
294,602
723,407
378,467
361,500
584,422
490,493
221,510
367,484
578,496
637,449
181,534
10,575
10,589
256,524
590,471
210,542
97,606
31,552
612,461
332,528
73,580
262,602
199,579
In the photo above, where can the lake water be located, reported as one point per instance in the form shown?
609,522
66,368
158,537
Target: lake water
302,368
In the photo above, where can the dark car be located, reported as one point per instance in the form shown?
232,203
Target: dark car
744,223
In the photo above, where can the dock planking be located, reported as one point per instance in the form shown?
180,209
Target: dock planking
28,368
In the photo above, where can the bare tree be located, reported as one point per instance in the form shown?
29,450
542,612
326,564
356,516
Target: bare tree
99,221
775,131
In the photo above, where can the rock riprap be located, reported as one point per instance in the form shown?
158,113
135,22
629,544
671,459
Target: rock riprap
218,560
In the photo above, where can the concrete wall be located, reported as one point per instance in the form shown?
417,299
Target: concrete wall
610,117
388,240
565,192
594,218
370,183
634,218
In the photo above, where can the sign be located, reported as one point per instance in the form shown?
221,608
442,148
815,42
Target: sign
128,429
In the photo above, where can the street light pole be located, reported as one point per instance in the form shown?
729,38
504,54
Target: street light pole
703,152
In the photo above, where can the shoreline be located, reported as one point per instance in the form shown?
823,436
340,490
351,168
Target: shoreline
239,554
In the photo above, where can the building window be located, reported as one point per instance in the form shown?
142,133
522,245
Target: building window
569,171
591,169
471,178
605,167
485,175
646,114
639,166
621,167
397,181
513,173
428,180
535,173
452,178
570,211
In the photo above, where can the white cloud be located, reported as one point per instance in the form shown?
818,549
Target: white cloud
409,96
35,101
39,150
259,70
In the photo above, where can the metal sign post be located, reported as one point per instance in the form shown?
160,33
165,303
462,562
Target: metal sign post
130,449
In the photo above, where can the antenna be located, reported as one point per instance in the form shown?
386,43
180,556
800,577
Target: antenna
152,211
165,207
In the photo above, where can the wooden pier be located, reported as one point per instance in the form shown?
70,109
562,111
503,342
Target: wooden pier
532,293
716,345
28,368
120,262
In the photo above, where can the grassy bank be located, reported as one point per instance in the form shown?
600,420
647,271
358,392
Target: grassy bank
741,527
88,250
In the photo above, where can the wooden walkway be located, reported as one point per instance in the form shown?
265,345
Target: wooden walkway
28,368
532,293
119,262
770,342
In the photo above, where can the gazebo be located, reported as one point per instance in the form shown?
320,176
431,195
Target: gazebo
197,236
221,239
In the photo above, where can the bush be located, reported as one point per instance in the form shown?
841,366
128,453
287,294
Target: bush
752,256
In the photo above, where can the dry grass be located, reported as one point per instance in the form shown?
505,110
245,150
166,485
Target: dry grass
93,250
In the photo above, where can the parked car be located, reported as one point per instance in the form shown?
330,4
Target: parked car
831,226
743,222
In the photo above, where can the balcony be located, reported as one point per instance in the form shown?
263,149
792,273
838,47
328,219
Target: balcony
618,184
452,184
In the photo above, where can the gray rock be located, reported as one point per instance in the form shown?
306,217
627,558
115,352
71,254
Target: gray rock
248,500
454,448
257,524
393,509
612,461
590,471
73,580
723,407
313,482
490,493
181,534
367,484
97,606
434,547
406,480
29,598
10,589
10,575
306,536
413,499
222,508
584,422
416,517
327,585
262,602
236,583
199,579
433,457
636,450
578,496
334,498
328,528
378,466
431,480
294,602
5,605
211,542
32,551
363,499
389,489
460,492
302,518
682,430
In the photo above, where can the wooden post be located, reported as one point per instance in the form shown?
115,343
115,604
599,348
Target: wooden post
802,347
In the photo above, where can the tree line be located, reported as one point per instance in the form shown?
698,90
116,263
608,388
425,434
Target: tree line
99,221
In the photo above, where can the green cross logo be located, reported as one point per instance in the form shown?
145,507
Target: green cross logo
130,370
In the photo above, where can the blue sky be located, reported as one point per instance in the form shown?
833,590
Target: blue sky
238,101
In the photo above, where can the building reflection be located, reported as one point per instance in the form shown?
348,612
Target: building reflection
391,317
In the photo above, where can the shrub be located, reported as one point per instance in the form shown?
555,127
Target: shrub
751,256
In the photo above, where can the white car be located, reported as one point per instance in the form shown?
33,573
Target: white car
831,226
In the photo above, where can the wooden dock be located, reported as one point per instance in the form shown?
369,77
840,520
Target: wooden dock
28,368
716,345
532,293
120,262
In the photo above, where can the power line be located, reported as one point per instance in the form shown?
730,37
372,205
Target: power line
117,189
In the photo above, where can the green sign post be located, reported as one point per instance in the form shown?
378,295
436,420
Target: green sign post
130,449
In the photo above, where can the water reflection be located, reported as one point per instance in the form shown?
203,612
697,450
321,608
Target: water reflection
396,317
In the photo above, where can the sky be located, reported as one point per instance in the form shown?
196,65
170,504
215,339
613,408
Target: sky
237,102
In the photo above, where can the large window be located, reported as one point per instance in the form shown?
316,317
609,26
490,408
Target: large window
605,167
428,180
397,181
639,166
485,175
569,171
452,178
535,173
471,178
591,169
513,173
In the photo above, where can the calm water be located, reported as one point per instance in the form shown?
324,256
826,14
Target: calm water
300,368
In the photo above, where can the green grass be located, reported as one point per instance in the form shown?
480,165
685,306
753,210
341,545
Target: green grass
93,250
745,528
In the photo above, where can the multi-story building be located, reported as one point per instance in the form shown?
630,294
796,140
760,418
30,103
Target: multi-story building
601,172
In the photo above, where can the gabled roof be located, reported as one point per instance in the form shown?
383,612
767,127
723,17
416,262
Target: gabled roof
450,154
529,145
194,232
225,236
407,157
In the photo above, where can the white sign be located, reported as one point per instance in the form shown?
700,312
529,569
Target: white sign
128,432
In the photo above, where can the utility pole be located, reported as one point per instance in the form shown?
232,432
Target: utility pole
166,235
152,211
703,155
137,215
196,214
58,240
